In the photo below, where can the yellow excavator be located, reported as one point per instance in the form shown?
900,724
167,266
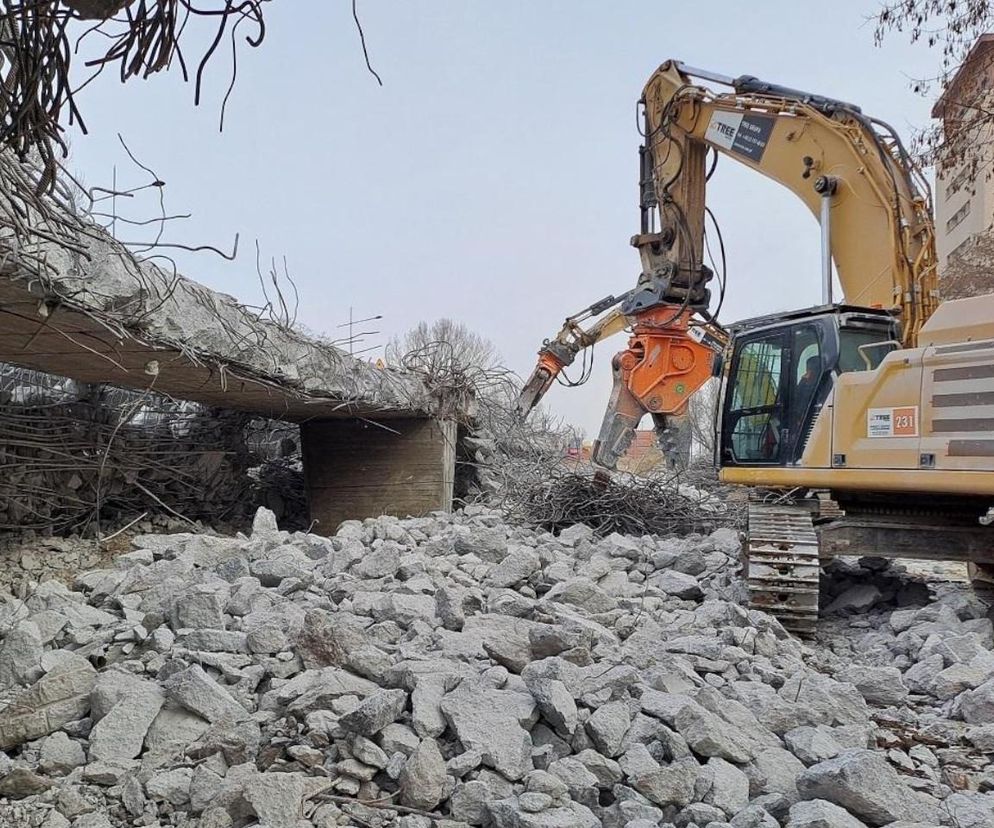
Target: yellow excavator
872,419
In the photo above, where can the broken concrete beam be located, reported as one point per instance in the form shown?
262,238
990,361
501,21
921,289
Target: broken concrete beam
111,318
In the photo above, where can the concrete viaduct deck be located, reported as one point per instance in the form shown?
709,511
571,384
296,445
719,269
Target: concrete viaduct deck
374,441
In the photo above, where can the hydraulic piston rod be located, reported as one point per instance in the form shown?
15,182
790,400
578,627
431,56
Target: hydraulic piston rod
825,186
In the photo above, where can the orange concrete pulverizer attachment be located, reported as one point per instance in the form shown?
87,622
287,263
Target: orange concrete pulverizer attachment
657,373
549,367
663,365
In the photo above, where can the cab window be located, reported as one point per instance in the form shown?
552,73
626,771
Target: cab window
754,416
850,342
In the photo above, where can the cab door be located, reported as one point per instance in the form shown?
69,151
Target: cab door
754,428
813,356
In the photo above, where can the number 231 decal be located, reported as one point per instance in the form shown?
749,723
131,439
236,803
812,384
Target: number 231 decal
892,422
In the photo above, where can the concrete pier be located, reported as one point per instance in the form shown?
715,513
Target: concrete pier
401,467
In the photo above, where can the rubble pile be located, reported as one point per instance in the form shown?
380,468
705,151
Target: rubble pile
455,671
27,559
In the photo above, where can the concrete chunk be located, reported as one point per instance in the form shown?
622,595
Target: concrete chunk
58,697
708,735
670,785
490,721
607,727
724,786
817,813
197,691
120,735
422,781
375,713
20,655
59,754
277,799
865,784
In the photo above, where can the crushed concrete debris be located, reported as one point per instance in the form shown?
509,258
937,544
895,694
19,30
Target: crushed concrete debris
457,671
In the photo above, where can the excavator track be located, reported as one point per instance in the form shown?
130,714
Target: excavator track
782,566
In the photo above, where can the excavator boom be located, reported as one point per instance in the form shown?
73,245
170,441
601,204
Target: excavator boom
849,169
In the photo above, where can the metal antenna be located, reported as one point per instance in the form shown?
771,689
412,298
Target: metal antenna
351,324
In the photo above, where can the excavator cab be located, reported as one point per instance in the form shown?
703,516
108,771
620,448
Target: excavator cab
780,372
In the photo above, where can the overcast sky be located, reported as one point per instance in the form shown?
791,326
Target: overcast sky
492,179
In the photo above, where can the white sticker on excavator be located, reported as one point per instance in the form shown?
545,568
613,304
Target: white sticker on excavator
744,133
892,422
723,128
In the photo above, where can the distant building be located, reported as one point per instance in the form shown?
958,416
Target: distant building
643,454
964,188
574,448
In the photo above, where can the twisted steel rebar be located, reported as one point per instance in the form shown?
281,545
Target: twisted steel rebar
41,39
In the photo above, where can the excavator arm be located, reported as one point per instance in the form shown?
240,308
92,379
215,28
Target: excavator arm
686,346
850,170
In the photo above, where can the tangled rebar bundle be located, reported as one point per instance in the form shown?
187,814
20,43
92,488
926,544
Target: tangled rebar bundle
628,504
75,458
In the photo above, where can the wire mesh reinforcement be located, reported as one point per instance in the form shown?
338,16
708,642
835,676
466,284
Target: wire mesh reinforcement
78,459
